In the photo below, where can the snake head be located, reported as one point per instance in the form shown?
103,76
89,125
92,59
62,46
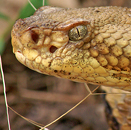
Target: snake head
50,41
85,45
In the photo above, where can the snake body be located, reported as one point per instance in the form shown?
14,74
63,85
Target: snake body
91,45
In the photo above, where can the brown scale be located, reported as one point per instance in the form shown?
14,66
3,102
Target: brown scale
115,52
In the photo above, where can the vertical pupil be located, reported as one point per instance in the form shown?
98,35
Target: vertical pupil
78,32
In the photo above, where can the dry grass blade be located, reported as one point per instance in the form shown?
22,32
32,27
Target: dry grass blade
44,128
32,5
31,121
69,109
4,87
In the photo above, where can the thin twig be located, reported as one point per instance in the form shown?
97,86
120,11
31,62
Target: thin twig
32,5
31,121
69,110
43,2
5,96
87,88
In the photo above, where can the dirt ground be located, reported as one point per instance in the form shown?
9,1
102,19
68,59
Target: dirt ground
43,98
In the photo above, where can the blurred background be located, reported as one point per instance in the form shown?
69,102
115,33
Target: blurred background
40,97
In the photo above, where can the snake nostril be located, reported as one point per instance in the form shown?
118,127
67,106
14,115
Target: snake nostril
34,36
53,49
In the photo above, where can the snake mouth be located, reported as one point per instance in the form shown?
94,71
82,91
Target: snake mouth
20,57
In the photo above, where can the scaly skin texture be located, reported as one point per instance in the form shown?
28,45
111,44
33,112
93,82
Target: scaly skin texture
118,108
101,55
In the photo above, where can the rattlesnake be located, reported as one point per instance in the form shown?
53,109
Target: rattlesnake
90,45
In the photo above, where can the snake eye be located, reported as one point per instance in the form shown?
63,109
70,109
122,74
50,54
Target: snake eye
77,33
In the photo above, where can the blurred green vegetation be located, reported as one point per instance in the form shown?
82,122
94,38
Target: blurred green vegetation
3,16
26,11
